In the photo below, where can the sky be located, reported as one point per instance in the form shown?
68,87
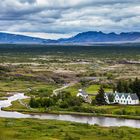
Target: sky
64,18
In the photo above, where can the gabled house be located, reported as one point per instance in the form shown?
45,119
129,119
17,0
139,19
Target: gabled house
84,95
123,98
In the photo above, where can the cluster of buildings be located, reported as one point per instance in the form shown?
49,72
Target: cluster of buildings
119,98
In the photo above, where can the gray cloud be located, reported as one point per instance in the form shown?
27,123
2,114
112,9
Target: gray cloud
63,16
28,1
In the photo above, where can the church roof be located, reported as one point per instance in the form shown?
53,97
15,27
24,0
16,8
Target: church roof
132,95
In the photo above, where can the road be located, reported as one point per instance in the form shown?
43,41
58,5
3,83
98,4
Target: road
56,91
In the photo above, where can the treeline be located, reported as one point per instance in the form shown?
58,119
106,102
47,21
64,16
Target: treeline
62,100
128,86
4,69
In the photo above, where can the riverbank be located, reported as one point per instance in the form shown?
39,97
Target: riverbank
20,102
34,129
16,106
35,112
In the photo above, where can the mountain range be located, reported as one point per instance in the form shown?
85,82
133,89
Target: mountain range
89,37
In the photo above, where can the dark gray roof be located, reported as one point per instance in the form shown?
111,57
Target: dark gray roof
120,94
83,92
132,95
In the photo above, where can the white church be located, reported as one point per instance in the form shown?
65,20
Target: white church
123,98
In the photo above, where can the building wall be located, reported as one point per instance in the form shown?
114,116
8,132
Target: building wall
126,101
80,94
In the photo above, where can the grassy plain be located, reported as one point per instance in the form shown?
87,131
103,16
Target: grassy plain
33,129
35,67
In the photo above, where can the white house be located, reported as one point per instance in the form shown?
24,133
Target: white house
123,98
84,95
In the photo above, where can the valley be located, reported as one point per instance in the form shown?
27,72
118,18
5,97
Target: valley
42,71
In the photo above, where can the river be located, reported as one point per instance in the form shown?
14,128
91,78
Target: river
102,121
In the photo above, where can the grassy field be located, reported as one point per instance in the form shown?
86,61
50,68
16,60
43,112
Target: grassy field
36,67
25,66
73,89
18,86
33,129
93,89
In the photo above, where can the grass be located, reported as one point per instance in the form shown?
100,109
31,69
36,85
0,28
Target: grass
34,129
16,106
59,59
22,86
3,98
73,89
93,89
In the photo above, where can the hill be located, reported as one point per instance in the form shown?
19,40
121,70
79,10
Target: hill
6,38
93,37
81,38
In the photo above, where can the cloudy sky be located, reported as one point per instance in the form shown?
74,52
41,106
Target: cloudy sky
63,18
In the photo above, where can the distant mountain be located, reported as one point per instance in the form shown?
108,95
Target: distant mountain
21,39
81,38
93,37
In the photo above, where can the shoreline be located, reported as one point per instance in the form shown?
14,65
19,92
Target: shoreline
73,113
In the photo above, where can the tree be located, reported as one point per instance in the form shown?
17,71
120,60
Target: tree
111,98
47,102
123,86
114,88
33,103
120,87
136,87
100,97
93,102
63,95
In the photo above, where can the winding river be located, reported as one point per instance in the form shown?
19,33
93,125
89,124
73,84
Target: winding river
102,121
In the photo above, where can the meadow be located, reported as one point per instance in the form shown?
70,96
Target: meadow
41,69
34,129
27,66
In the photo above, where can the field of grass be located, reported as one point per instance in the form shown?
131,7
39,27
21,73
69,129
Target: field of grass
16,106
93,89
117,109
3,98
23,86
73,89
49,67
35,65
33,129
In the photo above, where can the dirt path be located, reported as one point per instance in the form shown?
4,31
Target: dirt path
21,102
56,91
